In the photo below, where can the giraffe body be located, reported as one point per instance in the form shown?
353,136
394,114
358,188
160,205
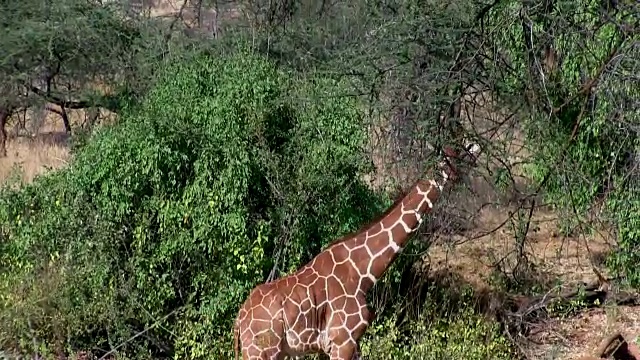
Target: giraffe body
322,307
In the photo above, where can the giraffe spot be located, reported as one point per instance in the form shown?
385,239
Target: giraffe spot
306,304
410,220
261,323
261,312
380,262
265,339
390,220
339,303
354,321
306,335
432,195
378,243
334,286
318,282
365,284
375,228
299,291
300,321
340,253
320,294
292,338
352,305
305,276
345,272
340,336
361,258
338,318
323,265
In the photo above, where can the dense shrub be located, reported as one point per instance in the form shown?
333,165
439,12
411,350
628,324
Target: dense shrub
580,121
163,222
445,325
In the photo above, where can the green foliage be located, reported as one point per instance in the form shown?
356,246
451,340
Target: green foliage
446,328
625,210
582,135
82,53
164,221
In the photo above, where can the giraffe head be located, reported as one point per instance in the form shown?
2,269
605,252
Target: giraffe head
454,161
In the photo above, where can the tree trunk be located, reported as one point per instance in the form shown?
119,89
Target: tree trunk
65,120
5,112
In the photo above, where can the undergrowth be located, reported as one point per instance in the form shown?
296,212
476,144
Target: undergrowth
438,317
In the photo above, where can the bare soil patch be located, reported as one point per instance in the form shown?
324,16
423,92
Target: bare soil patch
569,261
571,338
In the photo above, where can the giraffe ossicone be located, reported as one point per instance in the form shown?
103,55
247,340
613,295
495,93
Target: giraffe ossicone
322,307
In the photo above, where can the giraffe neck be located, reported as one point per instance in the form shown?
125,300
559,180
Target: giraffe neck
386,239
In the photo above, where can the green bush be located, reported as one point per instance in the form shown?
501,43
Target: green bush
446,327
162,223
625,208
583,140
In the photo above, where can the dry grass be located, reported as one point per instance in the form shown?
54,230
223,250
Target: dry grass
45,149
32,157
568,259
571,338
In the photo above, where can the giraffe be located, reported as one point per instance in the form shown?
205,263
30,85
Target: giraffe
321,308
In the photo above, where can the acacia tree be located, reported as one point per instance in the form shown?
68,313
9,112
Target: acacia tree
562,73
76,54
576,64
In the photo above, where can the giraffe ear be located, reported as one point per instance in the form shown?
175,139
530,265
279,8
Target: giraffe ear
472,152
473,149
